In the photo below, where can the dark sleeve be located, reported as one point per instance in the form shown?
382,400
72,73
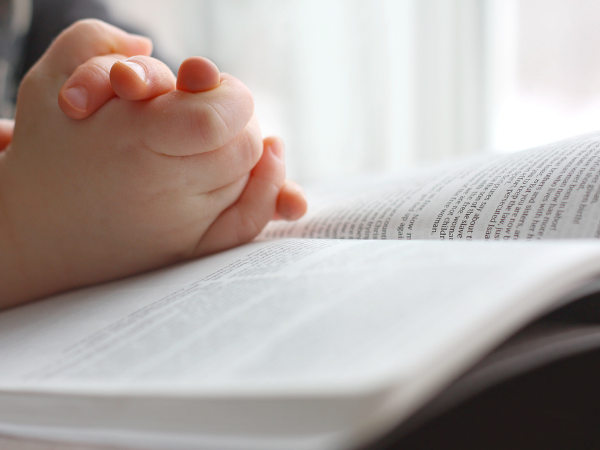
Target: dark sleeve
50,17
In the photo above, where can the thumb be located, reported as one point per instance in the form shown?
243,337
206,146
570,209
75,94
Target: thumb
197,74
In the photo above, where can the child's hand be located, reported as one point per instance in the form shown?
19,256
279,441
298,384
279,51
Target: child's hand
135,186
143,78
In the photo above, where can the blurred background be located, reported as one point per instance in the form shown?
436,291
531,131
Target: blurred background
357,86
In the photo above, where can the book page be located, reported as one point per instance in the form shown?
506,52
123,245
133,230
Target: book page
290,313
544,193
290,344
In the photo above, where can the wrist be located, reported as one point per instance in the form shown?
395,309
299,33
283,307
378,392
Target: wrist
11,277
16,286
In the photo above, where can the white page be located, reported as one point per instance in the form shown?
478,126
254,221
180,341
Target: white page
543,193
285,313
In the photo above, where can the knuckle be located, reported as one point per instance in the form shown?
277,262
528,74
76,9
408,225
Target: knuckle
28,81
93,71
209,123
245,95
88,26
251,226
31,85
252,144
243,98
88,30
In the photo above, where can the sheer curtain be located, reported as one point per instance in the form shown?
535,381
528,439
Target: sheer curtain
547,77
352,86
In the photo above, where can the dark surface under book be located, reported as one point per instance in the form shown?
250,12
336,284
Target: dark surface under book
554,403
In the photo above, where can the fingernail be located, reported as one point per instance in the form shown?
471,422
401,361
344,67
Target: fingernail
138,69
78,97
277,149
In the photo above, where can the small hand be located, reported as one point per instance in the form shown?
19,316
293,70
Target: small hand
135,185
144,78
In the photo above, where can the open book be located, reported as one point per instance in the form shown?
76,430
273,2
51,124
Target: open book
326,333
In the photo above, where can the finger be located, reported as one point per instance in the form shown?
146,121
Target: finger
88,88
101,78
86,39
242,221
219,167
291,202
137,78
141,78
6,132
197,74
183,123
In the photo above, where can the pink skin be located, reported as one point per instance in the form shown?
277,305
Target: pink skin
196,74
173,173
